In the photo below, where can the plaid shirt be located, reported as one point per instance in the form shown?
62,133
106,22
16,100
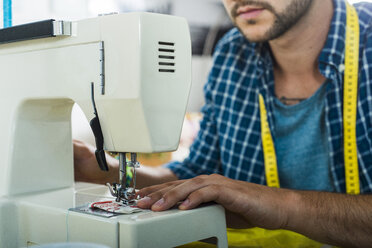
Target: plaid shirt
229,140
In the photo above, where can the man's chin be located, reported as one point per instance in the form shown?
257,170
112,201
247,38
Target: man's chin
255,38
254,34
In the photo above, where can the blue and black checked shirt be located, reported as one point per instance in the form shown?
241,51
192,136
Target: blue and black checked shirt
229,140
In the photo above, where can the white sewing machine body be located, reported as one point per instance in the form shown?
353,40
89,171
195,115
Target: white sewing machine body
140,66
44,218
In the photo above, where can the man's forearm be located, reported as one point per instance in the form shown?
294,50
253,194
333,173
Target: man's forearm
344,220
147,176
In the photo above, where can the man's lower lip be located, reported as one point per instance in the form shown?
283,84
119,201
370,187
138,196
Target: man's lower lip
251,14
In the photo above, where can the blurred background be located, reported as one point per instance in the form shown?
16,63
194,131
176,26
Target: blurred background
208,22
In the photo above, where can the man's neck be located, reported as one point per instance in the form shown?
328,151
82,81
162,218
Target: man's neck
296,52
298,49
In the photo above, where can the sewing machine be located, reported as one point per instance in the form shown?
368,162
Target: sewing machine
130,74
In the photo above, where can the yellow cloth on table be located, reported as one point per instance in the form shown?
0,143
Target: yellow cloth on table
262,238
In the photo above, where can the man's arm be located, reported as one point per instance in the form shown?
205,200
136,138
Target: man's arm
331,218
339,219
87,169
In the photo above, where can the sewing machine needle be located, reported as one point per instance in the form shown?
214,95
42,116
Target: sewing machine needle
123,169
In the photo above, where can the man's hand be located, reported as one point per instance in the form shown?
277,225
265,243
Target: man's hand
86,166
331,218
258,205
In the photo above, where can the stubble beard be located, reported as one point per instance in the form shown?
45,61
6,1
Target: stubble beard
283,21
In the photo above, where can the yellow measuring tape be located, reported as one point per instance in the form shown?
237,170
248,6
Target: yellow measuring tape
271,168
349,113
350,101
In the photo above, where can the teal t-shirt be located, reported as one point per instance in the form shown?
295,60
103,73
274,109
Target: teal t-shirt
301,144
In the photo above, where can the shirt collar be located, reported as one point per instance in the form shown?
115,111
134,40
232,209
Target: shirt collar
264,56
333,51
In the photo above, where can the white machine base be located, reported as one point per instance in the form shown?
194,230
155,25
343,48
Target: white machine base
44,218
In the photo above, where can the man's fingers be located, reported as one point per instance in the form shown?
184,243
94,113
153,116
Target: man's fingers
149,190
164,196
206,194
152,194
180,192
153,197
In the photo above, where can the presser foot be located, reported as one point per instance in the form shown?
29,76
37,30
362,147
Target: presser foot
122,194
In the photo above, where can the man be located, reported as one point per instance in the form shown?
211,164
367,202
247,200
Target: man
291,52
